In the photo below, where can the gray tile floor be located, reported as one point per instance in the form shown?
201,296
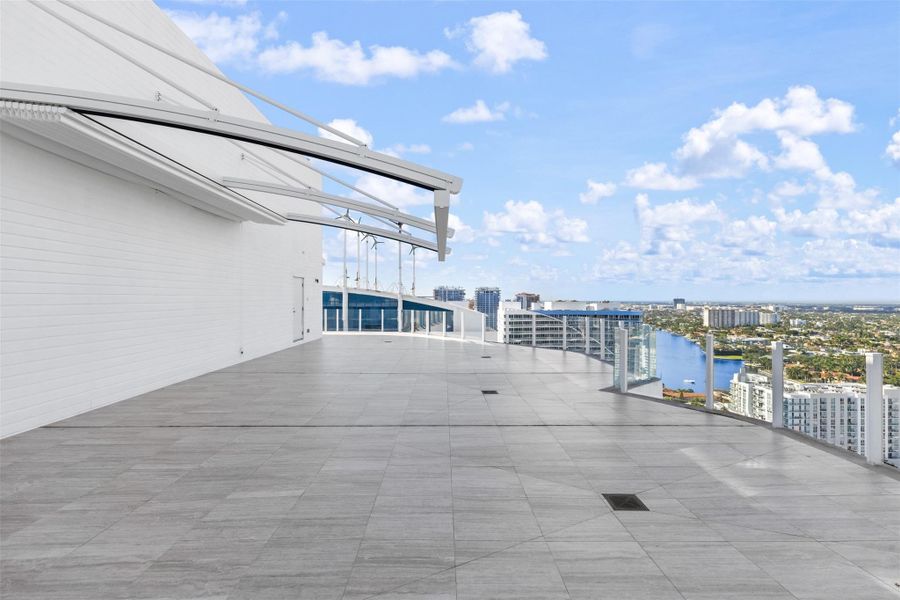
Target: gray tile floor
361,466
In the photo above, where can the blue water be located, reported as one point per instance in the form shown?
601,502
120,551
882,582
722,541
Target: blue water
678,358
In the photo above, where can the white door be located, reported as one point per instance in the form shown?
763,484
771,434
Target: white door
299,294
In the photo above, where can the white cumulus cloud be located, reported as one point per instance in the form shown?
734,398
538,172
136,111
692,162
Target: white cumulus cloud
478,113
401,149
674,222
350,64
715,148
462,233
893,149
351,128
225,39
395,192
531,223
595,191
499,40
753,235
849,259
656,176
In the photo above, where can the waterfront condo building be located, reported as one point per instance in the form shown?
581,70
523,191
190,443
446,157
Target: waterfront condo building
831,412
726,318
574,326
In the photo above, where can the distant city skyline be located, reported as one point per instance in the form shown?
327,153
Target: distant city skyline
724,151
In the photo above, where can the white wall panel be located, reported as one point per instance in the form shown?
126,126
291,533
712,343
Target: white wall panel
111,289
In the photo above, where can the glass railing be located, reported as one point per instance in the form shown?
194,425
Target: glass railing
833,412
634,361
460,324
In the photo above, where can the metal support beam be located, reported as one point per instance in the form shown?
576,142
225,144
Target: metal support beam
322,198
221,125
353,226
874,408
441,220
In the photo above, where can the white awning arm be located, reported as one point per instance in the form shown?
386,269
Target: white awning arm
312,195
374,231
215,123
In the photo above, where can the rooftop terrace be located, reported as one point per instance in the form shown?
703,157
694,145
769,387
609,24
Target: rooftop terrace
375,466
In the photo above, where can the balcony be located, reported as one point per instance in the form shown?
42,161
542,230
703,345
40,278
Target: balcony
379,466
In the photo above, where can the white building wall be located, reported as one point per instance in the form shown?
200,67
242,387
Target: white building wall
110,288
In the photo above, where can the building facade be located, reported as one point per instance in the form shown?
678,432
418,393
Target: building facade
487,301
125,271
526,299
726,318
831,412
446,293
587,330
679,303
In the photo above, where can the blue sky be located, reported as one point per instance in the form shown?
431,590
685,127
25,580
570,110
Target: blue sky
632,151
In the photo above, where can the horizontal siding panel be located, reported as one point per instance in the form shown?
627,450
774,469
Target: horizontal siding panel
111,290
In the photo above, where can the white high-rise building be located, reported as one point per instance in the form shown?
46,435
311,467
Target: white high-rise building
568,325
726,317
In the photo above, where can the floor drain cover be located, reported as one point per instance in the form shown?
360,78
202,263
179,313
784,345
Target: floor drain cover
387,341
625,502
488,391
485,357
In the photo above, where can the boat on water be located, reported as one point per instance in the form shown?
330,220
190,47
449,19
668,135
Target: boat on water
689,381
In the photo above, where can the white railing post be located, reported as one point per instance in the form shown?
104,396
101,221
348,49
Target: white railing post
462,325
622,351
359,320
483,325
710,372
602,339
565,332
443,323
874,408
534,329
777,384
382,320
587,335
324,320
428,323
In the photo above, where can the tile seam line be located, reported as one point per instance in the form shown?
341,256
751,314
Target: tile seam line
512,545
364,426
562,579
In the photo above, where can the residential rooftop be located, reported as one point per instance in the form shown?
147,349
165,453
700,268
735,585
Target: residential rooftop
381,466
